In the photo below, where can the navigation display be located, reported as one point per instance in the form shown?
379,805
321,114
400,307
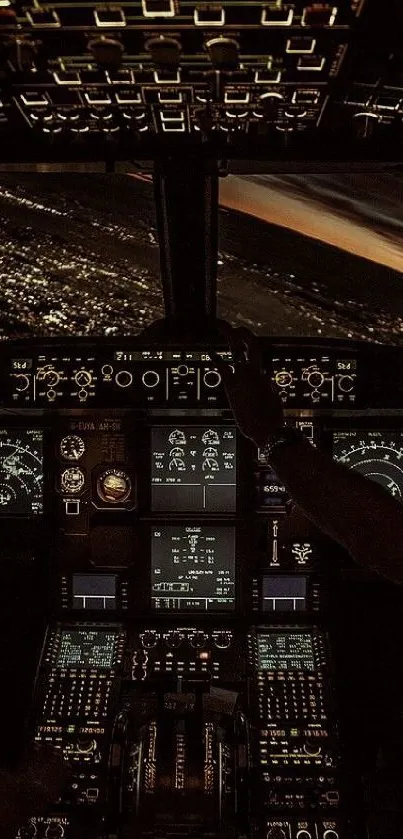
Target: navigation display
193,469
21,472
283,594
193,568
285,651
378,455
94,591
86,648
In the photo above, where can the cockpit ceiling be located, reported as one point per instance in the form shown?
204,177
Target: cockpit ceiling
84,81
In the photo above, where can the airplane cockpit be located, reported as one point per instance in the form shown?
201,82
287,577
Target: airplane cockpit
209,663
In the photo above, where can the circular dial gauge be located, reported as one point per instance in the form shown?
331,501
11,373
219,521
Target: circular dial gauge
21,473
72,480
114,486
377,455
72,447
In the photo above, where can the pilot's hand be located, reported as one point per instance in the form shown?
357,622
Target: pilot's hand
31,788
257,407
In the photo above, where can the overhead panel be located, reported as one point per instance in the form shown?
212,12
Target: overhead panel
245,77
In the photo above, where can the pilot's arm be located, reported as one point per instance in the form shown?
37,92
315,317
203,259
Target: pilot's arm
356,512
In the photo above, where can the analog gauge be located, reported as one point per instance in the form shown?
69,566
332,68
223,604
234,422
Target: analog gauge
210,438
378,455
21,472
177,437
114,486
72,479
72,447
211,464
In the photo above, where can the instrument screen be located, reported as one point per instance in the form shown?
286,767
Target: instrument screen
283,594
285,651
193,568
86,648
94,591
21,472
193,469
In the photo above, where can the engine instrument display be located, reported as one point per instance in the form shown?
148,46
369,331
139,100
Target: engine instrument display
94,591
284,594
86,648
193,568
193,469
21,472
378,455
285,651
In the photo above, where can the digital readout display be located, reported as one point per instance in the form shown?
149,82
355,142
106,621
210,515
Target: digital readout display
193,568
285,651
193,469
86,648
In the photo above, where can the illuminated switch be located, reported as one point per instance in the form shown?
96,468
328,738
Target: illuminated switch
72,507
158,8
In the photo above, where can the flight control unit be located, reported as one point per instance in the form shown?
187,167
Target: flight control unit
186,670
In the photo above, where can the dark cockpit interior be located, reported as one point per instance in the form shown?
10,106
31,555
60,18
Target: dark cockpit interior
209,663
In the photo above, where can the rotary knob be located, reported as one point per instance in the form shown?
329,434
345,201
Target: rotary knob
150,378
276,832
86,745
212,378
52,378
198,640
124,378
174,639
183,370
316,379
330,834
54,831
149,639
22,383
222,640
283,378
304,834
83,378
312,749
27,832
346,384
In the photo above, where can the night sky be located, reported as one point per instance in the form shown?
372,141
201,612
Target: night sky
299,255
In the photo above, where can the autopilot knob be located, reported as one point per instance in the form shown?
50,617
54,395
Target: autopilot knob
276,832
